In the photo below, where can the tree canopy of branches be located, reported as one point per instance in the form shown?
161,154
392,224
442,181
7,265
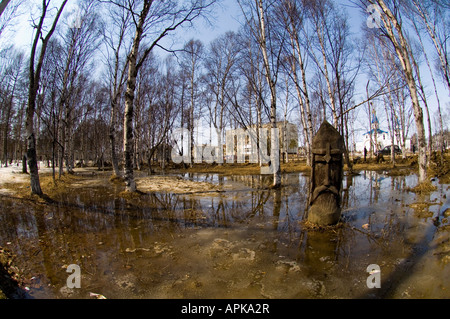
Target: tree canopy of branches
108,89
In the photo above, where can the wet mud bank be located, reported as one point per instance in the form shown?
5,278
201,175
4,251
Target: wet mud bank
214,236
11,286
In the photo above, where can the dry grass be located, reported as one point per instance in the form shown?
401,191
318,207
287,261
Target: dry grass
313,227
116,179
293,167
62,185
175,184
402,167
422,188
440,167
242,169
130,195
225,169
49,187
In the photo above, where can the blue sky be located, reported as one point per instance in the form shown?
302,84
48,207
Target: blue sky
225,19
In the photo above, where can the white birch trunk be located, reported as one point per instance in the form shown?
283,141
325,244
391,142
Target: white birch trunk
273,99
401,48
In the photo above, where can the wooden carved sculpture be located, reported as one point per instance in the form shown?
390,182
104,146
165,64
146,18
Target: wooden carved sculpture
326,176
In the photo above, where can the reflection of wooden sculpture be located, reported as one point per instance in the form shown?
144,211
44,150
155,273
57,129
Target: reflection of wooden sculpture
326,176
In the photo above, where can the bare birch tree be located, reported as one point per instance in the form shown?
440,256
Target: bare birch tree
79,45
434,18
392,29
440,49
292,15
115,38
221,65
154,20
337,61
247,92
10,78
191,65
258,16
34,78
321,15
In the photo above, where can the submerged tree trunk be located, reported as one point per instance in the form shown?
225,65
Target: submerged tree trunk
346,148
5,133
128,139
192,123
258,121
67,140
425,103
31,140
32,160
128,143
273,97
24,165
112,140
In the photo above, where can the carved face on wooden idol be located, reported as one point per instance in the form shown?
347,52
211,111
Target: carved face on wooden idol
326,176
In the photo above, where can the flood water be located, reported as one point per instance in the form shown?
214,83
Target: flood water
246,242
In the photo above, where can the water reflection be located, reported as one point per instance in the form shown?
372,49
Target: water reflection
248,240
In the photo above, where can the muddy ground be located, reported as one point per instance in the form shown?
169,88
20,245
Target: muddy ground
220,232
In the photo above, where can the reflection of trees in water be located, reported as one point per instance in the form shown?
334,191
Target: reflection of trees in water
370,198
69,231
253,181
372,188
392,229
45,238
